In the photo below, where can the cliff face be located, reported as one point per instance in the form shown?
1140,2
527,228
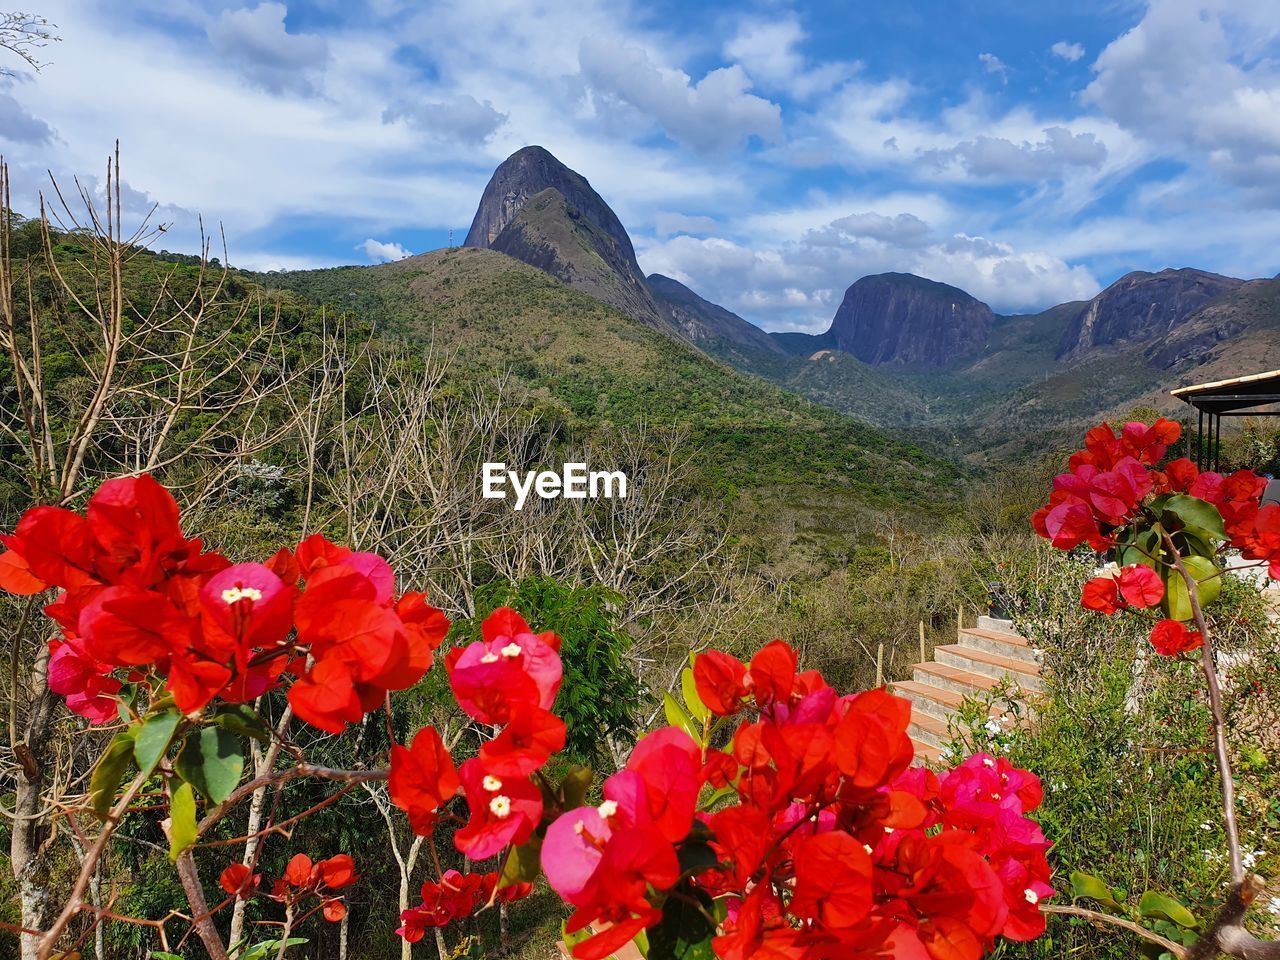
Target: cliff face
526,173
706,324
553,235
1140,306
899,318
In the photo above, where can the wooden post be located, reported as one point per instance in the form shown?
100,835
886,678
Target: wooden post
880,665
922,643
959,618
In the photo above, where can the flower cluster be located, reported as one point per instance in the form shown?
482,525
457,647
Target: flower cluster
139,598
456,896
833,846
302,879
1117,496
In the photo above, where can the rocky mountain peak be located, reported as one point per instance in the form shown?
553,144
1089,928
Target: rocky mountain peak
1140,306
525,174
900,318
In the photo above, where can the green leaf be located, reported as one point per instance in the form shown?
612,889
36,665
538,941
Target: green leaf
182,821
575,786
683,933
1085,886
242,720
695,856
1177,598
677,717
697,709
1199,515
260,951
154,737
1160,907
110,771
523,863
161,955
211,762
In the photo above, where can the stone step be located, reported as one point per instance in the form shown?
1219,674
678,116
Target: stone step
927,729
928,699
964,682
926,751
1004,644
996,625
1027,675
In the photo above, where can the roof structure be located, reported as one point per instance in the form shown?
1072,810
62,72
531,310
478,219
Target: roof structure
1255,395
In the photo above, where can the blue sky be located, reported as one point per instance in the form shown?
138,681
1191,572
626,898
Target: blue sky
768,154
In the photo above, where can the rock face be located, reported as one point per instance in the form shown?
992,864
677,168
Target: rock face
899,318
540,212
1141,306
555,236
1252,307
528,172
706,324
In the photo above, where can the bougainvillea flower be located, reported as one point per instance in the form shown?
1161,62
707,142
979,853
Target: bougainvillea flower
504,811
528,740
492,677
325,697
833,880
1101,594
721,682
572,850
87,685
423,779
334,910
669,766
871,742
337,872
246,606
1140,586
1171,637
194,680
237,880
773,673
298,872
128,626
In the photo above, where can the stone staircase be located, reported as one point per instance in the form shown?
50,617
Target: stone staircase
981,657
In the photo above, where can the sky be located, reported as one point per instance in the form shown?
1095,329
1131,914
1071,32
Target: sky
767,154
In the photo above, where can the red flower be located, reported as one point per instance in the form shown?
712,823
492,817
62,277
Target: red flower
236,880
423,779
338,871
326,697
531,736
504,811
298,872
1102,594
1171,637
1141,586
510,667
721,682
334,910
833,880
773,673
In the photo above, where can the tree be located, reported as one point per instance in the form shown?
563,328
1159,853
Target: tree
24,34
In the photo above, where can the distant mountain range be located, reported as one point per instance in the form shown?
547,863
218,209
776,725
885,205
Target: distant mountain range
903,350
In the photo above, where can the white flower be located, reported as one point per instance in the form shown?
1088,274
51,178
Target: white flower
492,783
500,806
232,594
512,649
607,809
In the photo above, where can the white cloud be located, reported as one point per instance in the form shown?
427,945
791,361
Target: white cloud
1200,80
383,252
768,51
257,42
1047,159
460,118
666,223
993,64
796,284
1070,52
714,114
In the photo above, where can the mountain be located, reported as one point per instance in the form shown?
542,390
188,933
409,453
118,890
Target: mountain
1140,306
526,173
540,212
902,319
554,236
587,367
707,325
